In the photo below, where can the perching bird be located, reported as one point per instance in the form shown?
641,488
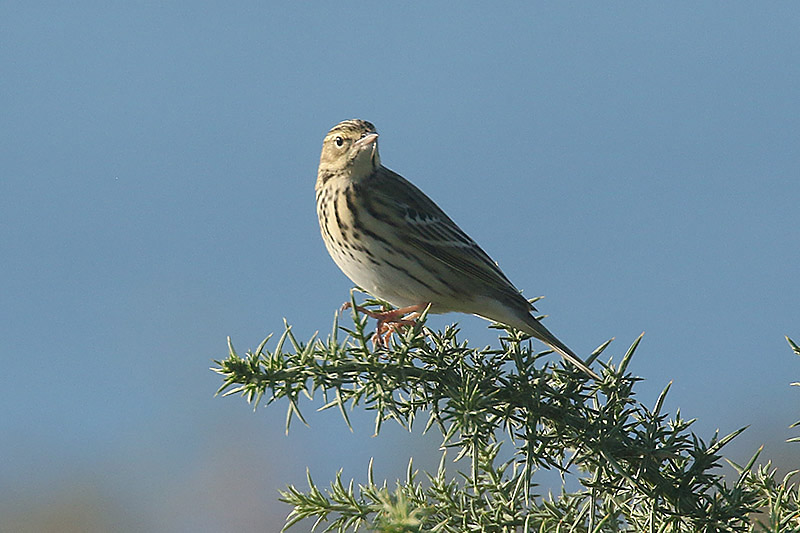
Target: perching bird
394,242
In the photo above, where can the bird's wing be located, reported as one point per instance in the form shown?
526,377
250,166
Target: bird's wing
423,225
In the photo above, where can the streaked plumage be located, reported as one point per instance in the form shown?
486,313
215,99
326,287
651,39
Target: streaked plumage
394,242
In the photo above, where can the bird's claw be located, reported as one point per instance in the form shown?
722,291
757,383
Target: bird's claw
389,321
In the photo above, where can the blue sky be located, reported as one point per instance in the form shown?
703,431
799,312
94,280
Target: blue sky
635,163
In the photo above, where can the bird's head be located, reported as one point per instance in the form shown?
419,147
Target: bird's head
351,149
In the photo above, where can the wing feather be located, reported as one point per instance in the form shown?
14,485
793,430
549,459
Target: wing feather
428,229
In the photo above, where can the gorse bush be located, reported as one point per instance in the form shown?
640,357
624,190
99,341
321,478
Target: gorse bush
509,413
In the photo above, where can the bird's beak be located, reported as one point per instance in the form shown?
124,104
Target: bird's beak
369,144
366,140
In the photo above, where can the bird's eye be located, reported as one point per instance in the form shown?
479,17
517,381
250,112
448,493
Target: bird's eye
339,141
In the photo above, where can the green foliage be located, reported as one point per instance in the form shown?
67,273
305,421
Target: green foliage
796,350
511,413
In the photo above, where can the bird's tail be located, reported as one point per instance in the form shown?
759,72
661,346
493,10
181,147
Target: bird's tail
536,329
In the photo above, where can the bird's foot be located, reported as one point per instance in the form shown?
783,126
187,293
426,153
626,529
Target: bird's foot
390,321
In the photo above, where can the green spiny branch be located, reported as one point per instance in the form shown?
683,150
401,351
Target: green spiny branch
639,469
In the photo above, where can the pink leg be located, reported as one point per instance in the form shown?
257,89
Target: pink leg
390,321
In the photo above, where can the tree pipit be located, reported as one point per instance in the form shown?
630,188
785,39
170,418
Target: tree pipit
394,242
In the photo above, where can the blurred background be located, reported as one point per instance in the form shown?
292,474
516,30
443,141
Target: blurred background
637,164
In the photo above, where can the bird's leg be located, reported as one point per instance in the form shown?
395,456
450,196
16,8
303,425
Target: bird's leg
390,321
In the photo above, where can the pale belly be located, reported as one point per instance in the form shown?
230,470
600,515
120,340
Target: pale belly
382,280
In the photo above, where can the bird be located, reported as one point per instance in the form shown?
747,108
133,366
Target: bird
396,244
